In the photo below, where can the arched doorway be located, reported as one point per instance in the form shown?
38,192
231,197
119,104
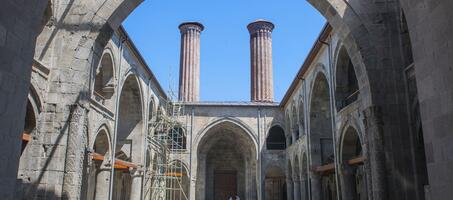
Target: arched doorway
321,139
353,178
99,172
129,141
275,184
226,159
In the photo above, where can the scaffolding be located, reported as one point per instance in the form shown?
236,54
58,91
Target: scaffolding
166,177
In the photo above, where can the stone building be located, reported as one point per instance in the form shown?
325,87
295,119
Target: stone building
367,115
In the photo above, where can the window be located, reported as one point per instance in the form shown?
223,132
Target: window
177,139
276,139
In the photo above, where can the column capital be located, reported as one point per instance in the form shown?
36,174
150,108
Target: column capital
259,25
184,27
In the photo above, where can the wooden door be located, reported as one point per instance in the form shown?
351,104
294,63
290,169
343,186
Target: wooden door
225,184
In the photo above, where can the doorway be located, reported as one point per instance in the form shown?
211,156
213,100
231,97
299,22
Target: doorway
225,184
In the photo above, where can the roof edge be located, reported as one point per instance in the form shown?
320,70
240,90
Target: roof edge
325,32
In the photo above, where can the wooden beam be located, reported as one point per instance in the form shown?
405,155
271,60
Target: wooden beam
122,163
174,174
97,156
356,161
325,168
119,164
26,137
329,168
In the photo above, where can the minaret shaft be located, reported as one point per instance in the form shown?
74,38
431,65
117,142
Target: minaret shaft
189,67
262,87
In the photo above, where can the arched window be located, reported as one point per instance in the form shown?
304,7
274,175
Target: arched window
301,118
276,139
103,83
295,123
177,139
289,139
151,111
346,87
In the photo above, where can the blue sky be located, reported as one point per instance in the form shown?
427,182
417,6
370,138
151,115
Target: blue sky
225,56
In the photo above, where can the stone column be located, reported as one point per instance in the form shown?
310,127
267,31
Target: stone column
189,66
347,182
102,183
315,186
136,187
262,87
303,189
376,153
296,189
289,188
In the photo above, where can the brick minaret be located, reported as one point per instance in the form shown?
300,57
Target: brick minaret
262,87
189,67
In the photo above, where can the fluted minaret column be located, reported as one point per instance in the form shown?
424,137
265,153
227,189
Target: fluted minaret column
189,67
262,86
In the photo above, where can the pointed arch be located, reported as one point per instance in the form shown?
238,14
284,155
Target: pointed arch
104,81
346,84
276,139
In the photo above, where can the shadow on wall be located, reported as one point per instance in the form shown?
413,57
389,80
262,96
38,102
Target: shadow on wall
24,189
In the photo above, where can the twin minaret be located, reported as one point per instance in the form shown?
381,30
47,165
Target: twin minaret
260,54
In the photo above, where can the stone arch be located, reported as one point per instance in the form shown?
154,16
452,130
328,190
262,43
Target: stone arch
129,138
180,182
289,136
152,111
202,133
130,116
104,85
346,84
301,116
320,112
321,140
276,139
353,174
342,16
96,20
99,172
178,138
234,156
275,183
294,122
31,123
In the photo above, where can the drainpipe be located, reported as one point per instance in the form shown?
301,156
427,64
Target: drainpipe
332,115
145,138
259,155
191,130
308,147
115,131
190,151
